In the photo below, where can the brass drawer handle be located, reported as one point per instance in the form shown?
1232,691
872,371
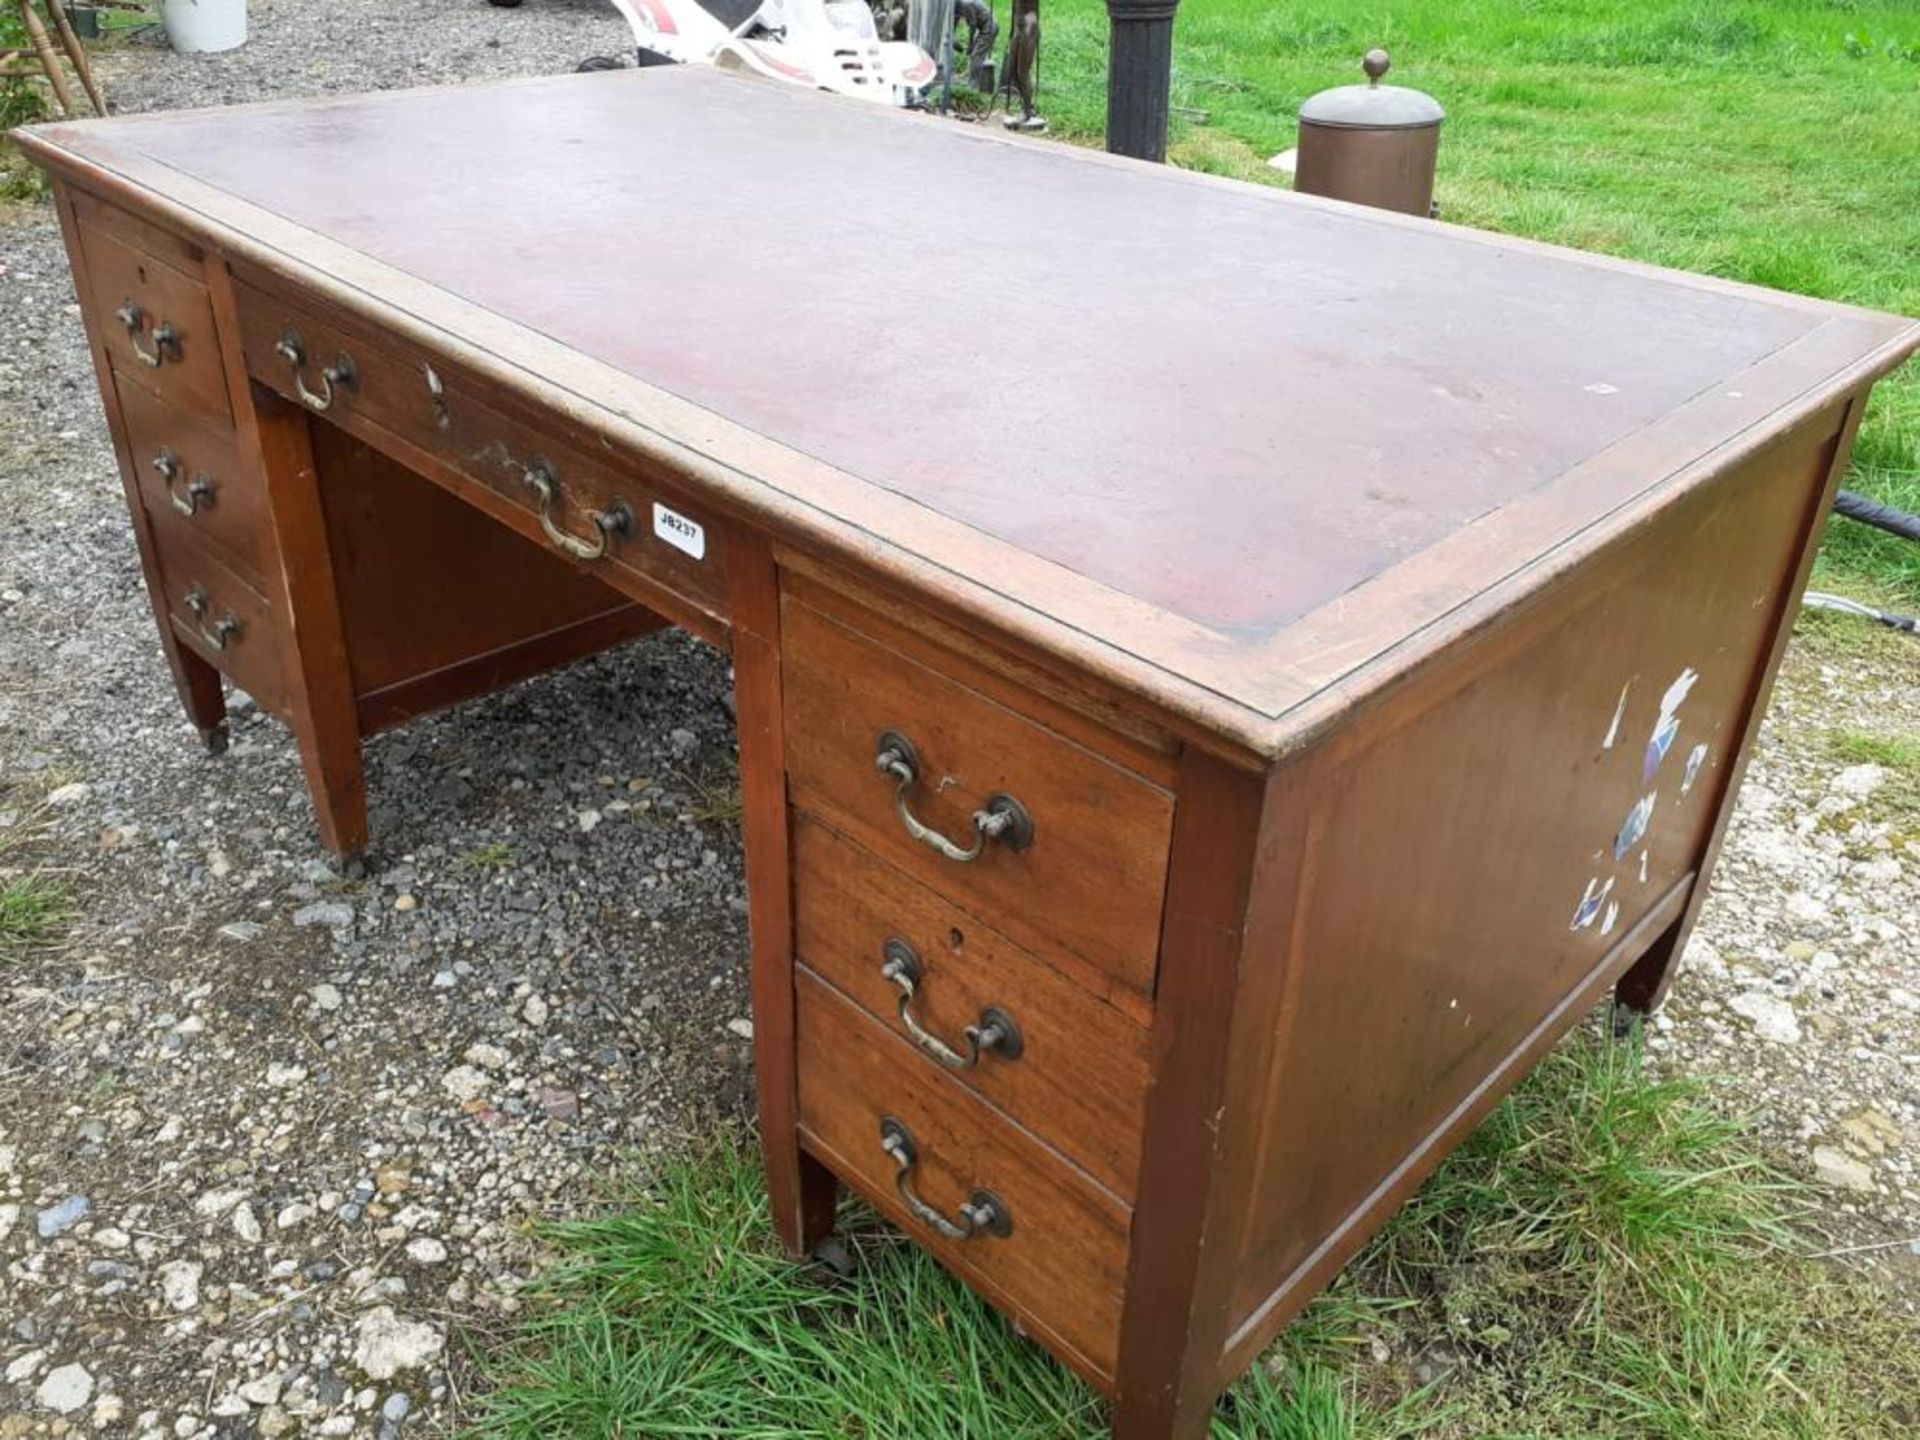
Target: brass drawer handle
341,373
995,1030
226,628
166,339
1004,819
985,1213
616,519
198,491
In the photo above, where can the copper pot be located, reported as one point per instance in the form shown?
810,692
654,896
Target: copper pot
1372,144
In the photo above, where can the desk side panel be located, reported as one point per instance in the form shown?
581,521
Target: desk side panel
1491,847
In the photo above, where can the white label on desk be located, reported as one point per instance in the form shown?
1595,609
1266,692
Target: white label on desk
688,536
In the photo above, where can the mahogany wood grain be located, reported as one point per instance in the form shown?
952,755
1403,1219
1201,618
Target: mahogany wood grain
276,438
427,583
1644,986
228,510
219,616
802,1193
136,231
190,372
483,672
1255,1331
1175,1320
1059,1271
1101,720
1080,1079
197,682
1536,744
392,401
1091,880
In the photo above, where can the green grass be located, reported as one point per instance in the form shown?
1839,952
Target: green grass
1769,141
1896,800
1608,1256
496,855
34,910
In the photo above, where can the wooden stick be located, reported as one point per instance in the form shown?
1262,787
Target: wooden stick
43,47
77,53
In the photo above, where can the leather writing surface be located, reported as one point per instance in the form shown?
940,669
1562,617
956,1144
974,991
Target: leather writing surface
1229,403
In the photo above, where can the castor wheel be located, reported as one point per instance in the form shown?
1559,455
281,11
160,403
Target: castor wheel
833,1253
214,737
597,62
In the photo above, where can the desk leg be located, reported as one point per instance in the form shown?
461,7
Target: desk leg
275,436
802,1192
325,718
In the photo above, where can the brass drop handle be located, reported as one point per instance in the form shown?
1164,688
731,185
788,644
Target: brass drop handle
226,628
166,339
1003,819
198,490
995,1030
616,519
985,1213
340,374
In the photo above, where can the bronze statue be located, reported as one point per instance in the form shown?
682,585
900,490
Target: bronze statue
889,18
982,32
1023,58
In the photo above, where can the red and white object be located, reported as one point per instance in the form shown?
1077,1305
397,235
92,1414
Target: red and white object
821,44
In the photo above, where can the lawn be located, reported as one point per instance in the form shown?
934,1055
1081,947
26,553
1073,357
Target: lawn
1771,141
1606,1258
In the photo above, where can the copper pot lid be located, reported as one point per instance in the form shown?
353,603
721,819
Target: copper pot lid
1373,106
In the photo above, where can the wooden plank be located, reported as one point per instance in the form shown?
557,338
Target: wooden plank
802,1192
482,674
1174,1324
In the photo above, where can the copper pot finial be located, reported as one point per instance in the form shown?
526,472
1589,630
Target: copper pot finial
1376,64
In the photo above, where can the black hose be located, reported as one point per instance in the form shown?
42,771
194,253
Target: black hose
1855,506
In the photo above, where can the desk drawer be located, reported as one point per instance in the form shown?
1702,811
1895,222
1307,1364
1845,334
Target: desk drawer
224,619
1061,1265
1090,879
191,480
384,391
1065,1065
156,323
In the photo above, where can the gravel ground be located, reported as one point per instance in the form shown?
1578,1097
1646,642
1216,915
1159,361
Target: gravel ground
270,1141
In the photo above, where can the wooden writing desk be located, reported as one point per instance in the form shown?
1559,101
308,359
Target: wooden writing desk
1198,748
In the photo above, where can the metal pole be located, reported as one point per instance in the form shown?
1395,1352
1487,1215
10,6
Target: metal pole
1139,76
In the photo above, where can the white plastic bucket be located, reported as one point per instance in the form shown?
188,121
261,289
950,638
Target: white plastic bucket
197,26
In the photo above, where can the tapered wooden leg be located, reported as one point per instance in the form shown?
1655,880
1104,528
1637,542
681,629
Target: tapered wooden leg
325,717
200,691
277,440
802,1192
